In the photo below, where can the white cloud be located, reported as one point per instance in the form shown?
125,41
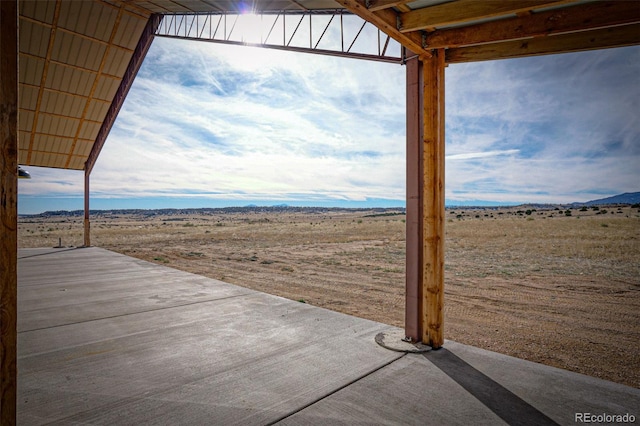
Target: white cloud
263,129
572,118
481,154
52,182
226,122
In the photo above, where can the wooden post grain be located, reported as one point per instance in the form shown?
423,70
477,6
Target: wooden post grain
8,208
433,199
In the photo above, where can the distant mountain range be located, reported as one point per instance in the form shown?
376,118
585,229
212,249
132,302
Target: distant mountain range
251,208
626,198
630,198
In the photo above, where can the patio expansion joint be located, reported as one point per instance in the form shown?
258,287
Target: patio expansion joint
49,252
139,312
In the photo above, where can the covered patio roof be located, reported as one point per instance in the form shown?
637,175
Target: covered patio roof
78,59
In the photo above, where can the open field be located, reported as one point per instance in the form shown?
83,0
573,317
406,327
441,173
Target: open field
536,284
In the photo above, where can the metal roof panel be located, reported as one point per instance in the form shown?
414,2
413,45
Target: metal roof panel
147,6
78,51
28,97
30,70
89,130
62,104
40,10
46,159
97,110
34,38
164,6
83,147
107,88
77,163
68,79
24,138
22,156
192,5
57,144
25,120
93,19
129,31
56,125
117,61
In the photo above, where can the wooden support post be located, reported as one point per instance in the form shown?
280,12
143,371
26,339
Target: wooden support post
433,199
87,223
413,265
8,208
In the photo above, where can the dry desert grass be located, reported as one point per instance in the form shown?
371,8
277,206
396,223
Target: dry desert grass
539,285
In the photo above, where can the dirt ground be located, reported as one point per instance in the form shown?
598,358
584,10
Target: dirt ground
556,287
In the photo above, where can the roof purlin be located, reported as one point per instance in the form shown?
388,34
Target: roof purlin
127,80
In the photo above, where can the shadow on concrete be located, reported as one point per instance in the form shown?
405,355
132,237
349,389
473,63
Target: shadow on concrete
53,250
504,403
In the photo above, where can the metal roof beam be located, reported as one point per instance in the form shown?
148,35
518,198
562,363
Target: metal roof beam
337,53
291,38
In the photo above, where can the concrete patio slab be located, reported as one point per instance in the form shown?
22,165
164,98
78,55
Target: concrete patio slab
105,339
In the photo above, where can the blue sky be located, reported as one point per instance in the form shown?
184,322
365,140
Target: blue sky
208,125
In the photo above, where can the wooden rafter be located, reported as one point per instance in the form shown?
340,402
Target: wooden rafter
387,21
462,11
627,35
582,17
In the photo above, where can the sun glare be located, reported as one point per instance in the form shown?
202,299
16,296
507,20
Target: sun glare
246,8
249,27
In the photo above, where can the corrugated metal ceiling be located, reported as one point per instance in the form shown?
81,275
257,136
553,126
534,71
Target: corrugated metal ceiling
73,55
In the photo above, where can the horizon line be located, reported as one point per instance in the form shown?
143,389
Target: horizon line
276,206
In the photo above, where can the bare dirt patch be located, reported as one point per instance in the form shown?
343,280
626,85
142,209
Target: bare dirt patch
556,288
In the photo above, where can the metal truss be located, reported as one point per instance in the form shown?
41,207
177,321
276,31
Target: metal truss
325,32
